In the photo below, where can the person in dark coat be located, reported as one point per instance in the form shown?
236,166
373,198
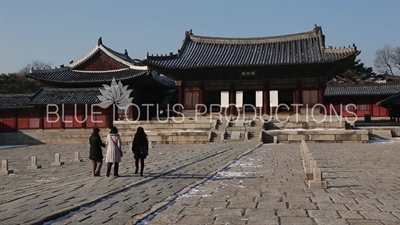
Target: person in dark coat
140,149
96,153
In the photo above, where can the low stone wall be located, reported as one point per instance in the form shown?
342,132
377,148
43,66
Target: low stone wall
294,136
179,137
304,125
56,136
170,137
305,122
394,130
169,125
172,131
49,136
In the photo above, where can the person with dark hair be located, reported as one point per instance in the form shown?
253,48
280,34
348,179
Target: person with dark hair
96,153
114,151
140,149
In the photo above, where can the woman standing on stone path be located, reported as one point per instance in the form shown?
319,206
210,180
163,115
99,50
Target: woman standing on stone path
114,152
140,149
96,153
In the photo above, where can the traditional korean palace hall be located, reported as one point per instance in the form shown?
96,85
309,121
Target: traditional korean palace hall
262,72
228,76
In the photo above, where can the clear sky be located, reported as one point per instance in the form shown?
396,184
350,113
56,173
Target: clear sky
60,31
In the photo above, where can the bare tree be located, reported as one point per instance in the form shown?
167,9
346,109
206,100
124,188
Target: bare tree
387,59
36,64
396,57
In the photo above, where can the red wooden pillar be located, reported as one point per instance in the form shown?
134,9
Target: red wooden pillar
62,116
321,89
84,115
132,114
232,99
266,99
16,120
202,97
111,116
181,95
298,96
41,117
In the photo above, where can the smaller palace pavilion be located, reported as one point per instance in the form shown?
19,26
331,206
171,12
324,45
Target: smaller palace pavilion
262,72
70,96
362,99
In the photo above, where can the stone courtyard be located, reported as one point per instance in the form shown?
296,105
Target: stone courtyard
214,183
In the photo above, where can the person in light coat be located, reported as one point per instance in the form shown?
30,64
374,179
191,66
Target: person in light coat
114,151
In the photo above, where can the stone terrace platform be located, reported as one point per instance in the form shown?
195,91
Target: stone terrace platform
286,128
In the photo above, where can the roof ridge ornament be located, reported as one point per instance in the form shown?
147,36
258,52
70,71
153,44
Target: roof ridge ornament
126,52
100,41
188,33
354,46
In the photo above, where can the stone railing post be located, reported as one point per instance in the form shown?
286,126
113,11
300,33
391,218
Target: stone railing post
317,182
4,168
57,160
34,165
77,158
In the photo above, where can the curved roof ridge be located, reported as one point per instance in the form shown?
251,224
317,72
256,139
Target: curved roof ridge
253,40
100,71
365,84
69,89
17,95
47,70
117,56
340,50
85,57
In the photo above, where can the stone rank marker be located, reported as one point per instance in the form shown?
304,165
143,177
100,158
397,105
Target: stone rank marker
317,182
4,168
34,164
77,157
57,161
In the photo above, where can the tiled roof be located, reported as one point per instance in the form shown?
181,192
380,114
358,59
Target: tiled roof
66,96
302,48
67,75
15,101
390,101
360,90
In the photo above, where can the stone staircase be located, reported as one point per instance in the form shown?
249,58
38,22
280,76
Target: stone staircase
237,129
